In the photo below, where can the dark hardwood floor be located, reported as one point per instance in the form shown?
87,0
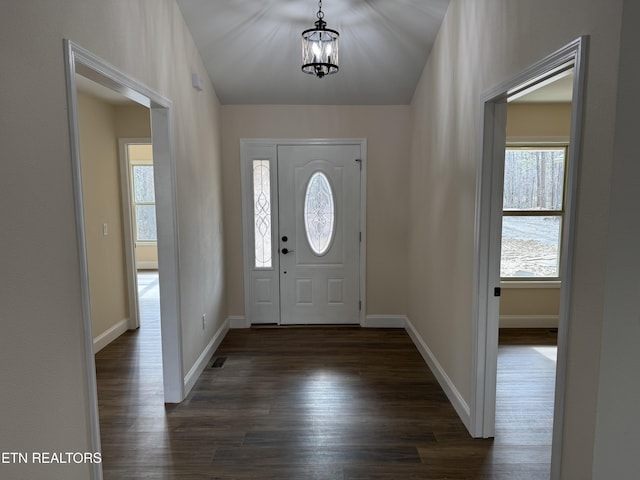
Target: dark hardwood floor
309,403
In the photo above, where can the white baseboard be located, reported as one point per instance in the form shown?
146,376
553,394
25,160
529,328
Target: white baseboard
385,321
529,321
110,335
238,321
195,371
461,407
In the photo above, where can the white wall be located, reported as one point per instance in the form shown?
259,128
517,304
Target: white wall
387,131
44,391
618,422
482,44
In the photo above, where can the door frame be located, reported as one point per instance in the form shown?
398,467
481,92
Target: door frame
82,62
128,227
487,243
271,145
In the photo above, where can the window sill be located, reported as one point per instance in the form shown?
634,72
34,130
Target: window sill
530,284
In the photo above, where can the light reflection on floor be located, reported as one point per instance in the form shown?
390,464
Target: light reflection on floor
550,352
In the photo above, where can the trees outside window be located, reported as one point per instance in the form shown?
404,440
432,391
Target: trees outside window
144,202
533,212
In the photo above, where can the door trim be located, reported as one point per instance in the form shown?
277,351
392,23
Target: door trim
272,144
82,62
488,238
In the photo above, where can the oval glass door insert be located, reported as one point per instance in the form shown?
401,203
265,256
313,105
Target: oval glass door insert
319,213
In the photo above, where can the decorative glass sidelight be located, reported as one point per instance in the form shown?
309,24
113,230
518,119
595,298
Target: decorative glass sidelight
319,213
262,213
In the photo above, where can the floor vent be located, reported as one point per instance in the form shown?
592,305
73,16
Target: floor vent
219,362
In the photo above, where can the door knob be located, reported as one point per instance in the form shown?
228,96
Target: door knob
286,250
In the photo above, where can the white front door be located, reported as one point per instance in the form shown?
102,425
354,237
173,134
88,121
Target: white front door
302,229
319,233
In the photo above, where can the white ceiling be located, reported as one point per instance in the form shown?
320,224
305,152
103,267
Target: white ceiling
394,36
83,84
252,48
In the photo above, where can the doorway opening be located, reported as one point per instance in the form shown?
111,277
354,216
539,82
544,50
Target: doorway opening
533,211
489,235
79,61
140,224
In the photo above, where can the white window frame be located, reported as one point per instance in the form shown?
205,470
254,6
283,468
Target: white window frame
555,143
134,203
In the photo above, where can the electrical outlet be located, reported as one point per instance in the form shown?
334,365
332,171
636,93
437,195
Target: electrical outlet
105,229
204,320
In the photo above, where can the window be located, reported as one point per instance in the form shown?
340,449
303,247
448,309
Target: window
319,213
533,212
262,213
143,198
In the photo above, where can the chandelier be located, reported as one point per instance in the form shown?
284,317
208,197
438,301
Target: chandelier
320,48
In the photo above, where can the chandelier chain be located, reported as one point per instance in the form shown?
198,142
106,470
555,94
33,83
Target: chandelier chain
320,13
